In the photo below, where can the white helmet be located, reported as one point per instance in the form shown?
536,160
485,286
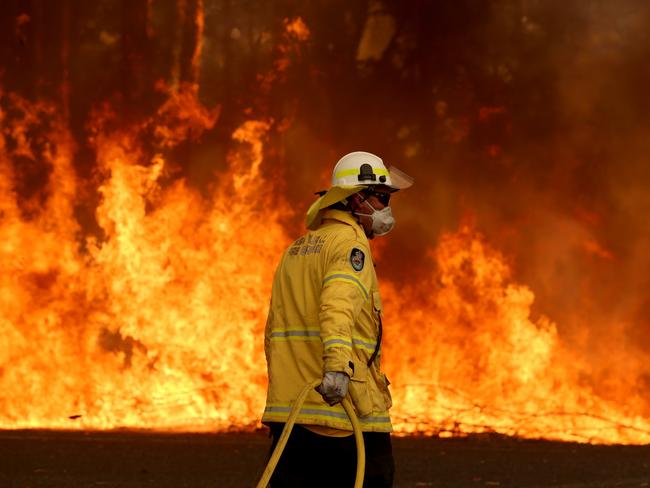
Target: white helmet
353,173
364,168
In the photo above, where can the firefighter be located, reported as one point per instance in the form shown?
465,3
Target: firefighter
325,321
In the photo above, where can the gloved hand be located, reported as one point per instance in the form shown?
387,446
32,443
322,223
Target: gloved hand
334,387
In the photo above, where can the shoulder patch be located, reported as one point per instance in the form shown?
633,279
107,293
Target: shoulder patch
357,258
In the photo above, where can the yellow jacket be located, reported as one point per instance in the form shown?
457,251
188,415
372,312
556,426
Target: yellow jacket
324,316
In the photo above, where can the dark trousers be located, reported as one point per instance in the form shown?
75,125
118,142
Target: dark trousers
311,460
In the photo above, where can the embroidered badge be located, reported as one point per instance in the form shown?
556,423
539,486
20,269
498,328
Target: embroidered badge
357,259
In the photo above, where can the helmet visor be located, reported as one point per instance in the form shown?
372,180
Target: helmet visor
399,179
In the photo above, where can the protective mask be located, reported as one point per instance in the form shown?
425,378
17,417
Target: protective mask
382,220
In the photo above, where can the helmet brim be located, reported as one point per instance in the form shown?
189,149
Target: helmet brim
333,195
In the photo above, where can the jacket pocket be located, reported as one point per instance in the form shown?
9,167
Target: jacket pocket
359,391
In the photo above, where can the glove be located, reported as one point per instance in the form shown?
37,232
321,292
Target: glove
333,387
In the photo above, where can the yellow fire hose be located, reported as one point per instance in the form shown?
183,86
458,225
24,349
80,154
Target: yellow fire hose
284,437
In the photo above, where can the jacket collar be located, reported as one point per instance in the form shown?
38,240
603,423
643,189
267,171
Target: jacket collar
346,218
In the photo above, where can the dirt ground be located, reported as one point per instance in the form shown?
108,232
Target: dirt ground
36,459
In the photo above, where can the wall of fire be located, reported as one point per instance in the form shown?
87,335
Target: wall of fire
523,120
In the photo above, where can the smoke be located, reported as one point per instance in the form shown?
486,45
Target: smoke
573,212
529,120
526,118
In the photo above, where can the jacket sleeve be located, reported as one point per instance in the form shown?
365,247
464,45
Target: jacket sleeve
345,290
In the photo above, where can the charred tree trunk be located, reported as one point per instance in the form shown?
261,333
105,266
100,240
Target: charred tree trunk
65,59
177,48
187,62
198,20
136,57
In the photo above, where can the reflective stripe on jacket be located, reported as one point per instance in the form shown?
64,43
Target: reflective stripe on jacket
324,316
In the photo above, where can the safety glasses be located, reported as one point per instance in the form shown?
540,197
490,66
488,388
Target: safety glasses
383,198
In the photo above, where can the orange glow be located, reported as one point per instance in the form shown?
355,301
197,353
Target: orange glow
465,355
157,324
594,248
155,320
297,29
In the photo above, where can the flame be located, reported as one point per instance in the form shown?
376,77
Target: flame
297,29
155,319
466,356
157,324
593,247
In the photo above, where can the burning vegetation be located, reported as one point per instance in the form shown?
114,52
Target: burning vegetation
155,161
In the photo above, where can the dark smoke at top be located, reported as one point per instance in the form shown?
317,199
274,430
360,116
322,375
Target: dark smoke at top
528,118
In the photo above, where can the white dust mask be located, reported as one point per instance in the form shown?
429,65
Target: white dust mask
382,220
